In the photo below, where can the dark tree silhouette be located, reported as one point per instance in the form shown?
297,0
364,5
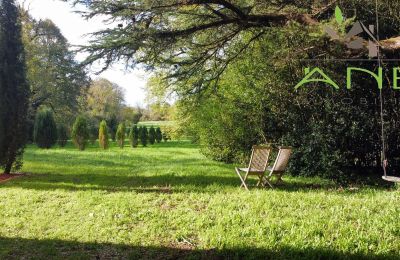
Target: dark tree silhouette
14,90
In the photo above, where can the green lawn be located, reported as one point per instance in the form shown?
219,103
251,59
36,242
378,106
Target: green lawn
168,202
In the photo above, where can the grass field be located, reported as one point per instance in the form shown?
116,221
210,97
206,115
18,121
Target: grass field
168,201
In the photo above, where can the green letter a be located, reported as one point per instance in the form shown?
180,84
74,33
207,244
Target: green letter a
308,79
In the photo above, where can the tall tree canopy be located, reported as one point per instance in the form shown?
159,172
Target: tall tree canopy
201,37
14,91
56,79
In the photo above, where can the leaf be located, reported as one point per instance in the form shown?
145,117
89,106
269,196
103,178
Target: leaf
339,15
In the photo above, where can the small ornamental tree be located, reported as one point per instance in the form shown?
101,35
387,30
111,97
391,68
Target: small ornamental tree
45,129
134,136
103,135
62,135
152,135
120,135
80,133
158,135
143,135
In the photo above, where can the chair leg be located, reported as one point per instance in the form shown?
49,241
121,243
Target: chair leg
267,181
241,178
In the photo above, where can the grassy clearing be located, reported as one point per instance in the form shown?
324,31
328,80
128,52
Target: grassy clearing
168,201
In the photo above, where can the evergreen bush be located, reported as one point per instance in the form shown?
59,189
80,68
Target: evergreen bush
134,136
143,135
45,129
120,135
80,133
158,135
103,135
152,135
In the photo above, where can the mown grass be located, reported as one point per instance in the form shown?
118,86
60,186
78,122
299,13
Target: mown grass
168,201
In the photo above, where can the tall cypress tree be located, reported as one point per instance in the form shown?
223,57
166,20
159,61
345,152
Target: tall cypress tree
14,89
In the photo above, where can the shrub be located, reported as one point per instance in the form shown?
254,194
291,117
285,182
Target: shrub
143,135
45,129
103,135
120,135
152,135
134,136
80,133
62,135
158,135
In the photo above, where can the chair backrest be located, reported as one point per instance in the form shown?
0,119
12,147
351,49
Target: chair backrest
259,158
282,159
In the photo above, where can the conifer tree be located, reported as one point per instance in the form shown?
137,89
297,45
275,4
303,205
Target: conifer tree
152,135
120,135
45,129
103,135
14,90
80,133
158,135
134,136
143,136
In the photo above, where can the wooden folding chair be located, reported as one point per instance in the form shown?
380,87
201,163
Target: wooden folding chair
257,166
279,167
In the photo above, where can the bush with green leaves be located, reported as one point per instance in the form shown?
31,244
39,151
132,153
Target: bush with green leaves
93,133
134,136
45,129
120,135
80,133
152,135
62,135
143,135
103,135
158,135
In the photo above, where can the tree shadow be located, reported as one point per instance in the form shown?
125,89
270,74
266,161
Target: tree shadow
20,248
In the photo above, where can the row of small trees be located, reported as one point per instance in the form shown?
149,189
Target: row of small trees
46,133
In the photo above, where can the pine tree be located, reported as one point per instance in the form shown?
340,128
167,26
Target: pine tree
62,136
134,136
45,129
152,135
80,133
120,135
158,135
103,135
143,136
14,90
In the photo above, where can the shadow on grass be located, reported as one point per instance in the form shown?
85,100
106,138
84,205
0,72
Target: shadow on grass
18,248
163,183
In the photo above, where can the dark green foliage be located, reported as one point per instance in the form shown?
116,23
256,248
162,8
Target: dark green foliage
120,135
152,135
62,135
80,133
113,125
103,135
158,135
45,130
134,136
143,135
14,90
